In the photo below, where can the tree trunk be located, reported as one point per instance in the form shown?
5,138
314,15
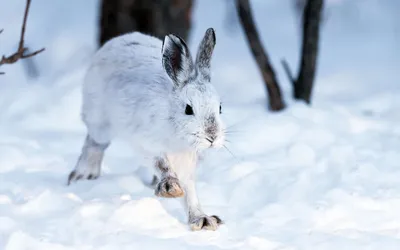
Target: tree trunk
311,26
154,17
246,18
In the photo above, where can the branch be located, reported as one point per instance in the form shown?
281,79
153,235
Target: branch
246,18
20,53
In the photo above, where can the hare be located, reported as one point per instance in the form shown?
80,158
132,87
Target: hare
152,93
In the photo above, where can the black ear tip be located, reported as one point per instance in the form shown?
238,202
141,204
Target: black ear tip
172,36
177,40
211,31
167,41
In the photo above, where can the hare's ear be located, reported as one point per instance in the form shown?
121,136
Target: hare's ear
204,54
176,60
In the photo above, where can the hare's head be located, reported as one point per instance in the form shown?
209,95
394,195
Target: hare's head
196,103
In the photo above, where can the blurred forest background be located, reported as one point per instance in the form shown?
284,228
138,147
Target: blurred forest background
310,89
310,17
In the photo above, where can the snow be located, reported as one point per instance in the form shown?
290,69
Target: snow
319,177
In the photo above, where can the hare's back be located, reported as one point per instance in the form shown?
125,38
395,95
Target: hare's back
129,52
127,66
127,84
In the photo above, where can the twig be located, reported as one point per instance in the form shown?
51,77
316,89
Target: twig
288,72
1,31
19,54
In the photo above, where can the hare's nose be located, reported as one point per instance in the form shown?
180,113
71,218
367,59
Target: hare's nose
211,132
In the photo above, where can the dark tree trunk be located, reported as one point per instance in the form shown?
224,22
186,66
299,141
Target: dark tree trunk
108,21
311,25
154,17
246,18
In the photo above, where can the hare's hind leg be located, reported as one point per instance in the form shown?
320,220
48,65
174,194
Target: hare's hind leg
89,162
168,186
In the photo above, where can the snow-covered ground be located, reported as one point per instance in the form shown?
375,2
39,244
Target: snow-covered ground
320,177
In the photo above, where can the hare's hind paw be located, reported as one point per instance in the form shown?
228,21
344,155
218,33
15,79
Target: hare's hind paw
205,222
169,187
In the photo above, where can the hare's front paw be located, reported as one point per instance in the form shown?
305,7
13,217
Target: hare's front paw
79,175
169,187
205,222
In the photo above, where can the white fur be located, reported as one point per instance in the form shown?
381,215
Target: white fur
128,93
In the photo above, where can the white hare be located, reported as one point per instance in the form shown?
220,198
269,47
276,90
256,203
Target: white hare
155,96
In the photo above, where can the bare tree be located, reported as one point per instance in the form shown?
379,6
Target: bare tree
303,85
20,53
154,17
246,18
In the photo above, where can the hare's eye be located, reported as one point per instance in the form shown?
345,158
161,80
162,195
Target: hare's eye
189,110
220,109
